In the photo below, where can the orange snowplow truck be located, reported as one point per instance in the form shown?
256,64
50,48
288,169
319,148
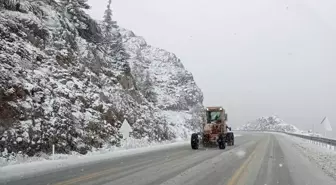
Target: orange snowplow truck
215,131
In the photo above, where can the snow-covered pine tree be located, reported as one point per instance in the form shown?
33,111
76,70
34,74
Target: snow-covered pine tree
148,90
113,39
108,23
9,4
75,3
73,10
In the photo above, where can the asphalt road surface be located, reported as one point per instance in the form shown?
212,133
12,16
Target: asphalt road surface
256,159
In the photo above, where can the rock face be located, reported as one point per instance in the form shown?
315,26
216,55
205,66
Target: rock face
58,85
165,83
271,123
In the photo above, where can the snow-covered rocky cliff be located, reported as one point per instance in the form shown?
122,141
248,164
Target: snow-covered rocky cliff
61,85
270,123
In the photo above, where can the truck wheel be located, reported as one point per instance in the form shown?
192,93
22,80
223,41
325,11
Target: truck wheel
221,145
232,139
221,142
194,141
229,139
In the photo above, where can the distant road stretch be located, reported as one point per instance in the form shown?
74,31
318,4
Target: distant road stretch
256,159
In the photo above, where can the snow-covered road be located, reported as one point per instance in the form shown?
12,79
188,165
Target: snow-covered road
256,158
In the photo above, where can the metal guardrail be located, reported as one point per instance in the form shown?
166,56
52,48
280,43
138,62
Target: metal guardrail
331,142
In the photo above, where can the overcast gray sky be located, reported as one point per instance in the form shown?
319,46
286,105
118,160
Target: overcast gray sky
255,58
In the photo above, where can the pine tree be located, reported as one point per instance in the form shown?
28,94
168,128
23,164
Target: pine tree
108,23
148,90
83,4
9,4
78,4
110,27
113,38
74,12
75,8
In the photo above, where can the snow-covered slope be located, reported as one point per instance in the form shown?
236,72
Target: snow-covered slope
271,123
165,83
58,85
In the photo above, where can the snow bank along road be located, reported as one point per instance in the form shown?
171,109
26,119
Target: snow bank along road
256,159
